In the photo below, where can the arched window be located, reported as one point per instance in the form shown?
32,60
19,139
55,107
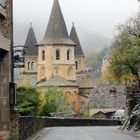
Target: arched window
29,63
43,55
57,54
76,63
70,71
68,54
32,66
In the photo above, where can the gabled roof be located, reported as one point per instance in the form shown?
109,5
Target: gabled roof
74,37
56,32
31,42
56,81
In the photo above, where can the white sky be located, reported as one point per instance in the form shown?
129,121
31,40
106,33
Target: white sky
90,16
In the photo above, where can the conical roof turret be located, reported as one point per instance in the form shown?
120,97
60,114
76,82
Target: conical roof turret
30,43
56,32
74,37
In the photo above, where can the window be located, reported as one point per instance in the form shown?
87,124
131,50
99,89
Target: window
29,65
76,63
32,66
57,54
68,54
43,55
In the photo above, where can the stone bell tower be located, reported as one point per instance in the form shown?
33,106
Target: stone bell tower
56,51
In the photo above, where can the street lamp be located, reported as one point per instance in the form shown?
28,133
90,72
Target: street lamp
19,59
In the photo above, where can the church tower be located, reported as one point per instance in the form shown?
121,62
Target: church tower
56,51
78,52
29,72
31,52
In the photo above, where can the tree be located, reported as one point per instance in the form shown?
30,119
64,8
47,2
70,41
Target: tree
125,62
28,101
56,101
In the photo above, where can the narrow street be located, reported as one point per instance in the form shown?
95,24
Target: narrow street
82,133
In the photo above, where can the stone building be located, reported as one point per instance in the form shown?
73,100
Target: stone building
108,96
56,51
59,56
29,72
5,65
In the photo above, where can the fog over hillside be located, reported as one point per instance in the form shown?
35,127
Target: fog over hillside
94,42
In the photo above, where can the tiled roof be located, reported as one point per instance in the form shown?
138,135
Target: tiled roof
30,43
56,32
56,81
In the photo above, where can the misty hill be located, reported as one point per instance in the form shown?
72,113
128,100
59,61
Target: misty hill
94,43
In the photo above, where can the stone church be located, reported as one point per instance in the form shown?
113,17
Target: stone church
58,54
57,60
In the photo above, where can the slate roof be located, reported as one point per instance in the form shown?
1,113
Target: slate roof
56,32
74,37
31,42
56,81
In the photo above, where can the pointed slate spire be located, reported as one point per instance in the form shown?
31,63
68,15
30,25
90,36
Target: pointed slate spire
56,32
74,37
31,42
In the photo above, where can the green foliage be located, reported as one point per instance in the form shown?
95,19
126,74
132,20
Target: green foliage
28,101
55,102
125,62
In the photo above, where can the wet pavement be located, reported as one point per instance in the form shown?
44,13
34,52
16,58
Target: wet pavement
83,133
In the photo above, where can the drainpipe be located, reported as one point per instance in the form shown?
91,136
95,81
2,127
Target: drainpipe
12,40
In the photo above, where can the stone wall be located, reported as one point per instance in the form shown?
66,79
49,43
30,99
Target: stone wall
108,96
5,69
30,125
5,23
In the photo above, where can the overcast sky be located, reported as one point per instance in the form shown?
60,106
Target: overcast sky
90,16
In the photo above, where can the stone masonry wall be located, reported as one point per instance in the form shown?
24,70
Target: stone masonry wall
5,69
30,125
108,96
